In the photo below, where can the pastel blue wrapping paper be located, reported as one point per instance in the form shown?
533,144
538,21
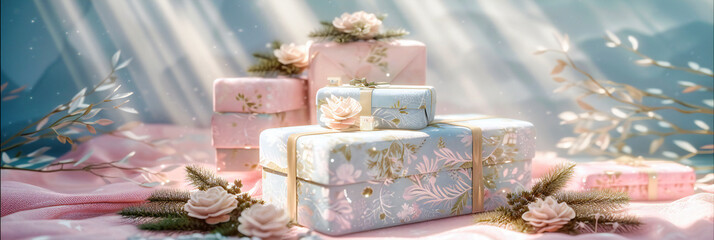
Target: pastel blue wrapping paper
408,107
357,181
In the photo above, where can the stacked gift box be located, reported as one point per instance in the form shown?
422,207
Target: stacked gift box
246,106
379,156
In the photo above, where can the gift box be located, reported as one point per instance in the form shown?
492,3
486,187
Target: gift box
237,159
259,95
341,182
641,179
395,62
391,106
239,130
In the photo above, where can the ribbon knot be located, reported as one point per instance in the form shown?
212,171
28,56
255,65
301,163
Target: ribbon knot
631,161
363,83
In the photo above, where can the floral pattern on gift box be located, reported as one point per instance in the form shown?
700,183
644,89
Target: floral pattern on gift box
249,105
392,177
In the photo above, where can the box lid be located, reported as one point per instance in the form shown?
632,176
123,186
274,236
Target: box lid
612,174
348,157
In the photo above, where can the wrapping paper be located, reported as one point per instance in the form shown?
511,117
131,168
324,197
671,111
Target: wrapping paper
240,130
672,180
356,181
395,62
237,159
393,107
258,95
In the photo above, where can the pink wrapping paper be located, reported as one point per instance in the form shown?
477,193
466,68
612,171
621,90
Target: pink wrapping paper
240,130
258,95
397,62
672,180
237,159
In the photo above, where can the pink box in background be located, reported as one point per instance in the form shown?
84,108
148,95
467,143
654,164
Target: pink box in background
258,95
240,130
237,159
397,62
644,180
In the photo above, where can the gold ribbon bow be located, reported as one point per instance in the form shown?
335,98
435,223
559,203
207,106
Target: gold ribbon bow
640,163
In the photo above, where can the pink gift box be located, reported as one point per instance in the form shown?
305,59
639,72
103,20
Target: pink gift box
258,95
646,180
240,130
237,159
397,62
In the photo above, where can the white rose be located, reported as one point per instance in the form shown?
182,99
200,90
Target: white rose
548,215
340,113
361,24
263,221
213,205
292,54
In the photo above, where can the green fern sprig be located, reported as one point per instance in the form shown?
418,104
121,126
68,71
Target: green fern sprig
553,181
177,224
164,209
169,195
595,211
154,210
203,179
327,31
268,64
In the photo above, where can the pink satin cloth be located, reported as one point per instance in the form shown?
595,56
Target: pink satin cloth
79,205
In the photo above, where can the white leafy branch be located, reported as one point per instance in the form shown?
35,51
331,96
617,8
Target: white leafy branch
74,112
152,178
606,132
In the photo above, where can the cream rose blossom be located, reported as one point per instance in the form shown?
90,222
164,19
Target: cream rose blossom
213,205
548,215
292,54
340,113
263,221
361,24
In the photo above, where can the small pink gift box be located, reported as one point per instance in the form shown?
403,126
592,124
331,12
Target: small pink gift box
397,62
258,95
642,180
237,159
240,130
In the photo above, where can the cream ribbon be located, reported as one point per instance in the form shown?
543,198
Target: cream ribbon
652,179
477,188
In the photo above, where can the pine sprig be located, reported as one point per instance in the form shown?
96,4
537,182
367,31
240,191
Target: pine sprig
553,181
177,224
264,56
203,179
330,33
169,195
155,210
595,211
273,67
501,218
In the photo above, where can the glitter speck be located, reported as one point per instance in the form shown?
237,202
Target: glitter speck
367,192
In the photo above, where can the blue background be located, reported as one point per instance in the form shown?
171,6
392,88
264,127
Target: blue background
479,52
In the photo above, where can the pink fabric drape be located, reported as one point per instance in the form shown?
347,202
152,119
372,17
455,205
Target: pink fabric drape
78,205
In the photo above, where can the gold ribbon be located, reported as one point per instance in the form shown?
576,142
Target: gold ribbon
640,163
292,198
477,187
476,162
